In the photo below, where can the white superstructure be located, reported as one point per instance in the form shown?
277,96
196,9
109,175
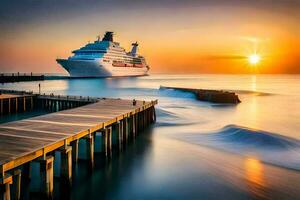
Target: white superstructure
105,58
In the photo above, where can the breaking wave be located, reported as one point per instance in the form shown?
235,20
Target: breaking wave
253,138
268,147
175,93
168,118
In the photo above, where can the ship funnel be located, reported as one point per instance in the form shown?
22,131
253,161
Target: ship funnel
134,48
108,36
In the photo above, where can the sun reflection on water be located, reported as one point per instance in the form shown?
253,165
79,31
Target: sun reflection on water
253,83
254,173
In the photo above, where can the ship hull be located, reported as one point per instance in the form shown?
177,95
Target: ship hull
96,68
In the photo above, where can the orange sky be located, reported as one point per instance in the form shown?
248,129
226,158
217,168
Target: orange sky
202,39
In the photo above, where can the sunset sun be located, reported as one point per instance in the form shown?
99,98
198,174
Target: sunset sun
254,59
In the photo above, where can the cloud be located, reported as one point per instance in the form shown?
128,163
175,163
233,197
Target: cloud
14,12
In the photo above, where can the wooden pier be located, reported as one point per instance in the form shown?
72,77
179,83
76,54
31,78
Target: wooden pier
35,139
20,77
12,101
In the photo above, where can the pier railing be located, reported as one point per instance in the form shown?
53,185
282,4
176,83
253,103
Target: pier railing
51,95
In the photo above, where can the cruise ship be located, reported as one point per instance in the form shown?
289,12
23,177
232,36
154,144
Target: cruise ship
105,58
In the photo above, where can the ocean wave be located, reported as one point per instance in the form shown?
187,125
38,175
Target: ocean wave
175,93
252,137
168,118
268,147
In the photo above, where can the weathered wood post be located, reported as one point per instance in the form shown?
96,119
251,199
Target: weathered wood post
17,184
46,173
154,115
26,171
144,118
125,130
133,126
120,134
31,103
58,105
45,103
1,102
66,165
137,122
108,133
16,105
75,149
130,128
49,104
90,149
104,142
140,121
148,116
5,181
9,106
151,114
24,104
55,105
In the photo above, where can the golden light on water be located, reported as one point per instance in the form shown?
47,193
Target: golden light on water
255,176
254,59
254,171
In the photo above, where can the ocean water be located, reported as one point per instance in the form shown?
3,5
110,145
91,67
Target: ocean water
198,149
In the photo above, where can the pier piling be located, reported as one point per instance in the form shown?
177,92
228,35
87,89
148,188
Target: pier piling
104,142
26,171
90,150
46,174
120,134
1,106
75,149
5,181
125,130
66,165
108,132
133,126
17,184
